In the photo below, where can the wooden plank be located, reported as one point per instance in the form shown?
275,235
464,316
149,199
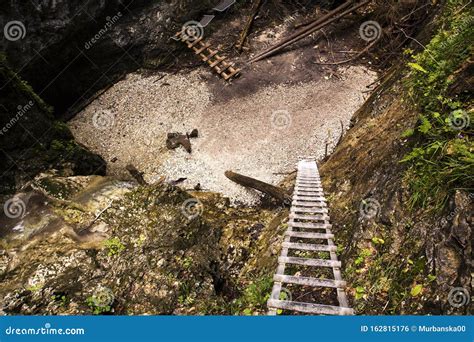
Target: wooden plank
309,235
309,247
309,188
204,47
306,204
225,66
309,217
307,198
217,61
304,188
309,262
308,281
233,72
309,225
195,42
310,308
308,210
309,194
208,57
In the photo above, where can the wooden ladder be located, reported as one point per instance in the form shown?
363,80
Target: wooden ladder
203,50
308,212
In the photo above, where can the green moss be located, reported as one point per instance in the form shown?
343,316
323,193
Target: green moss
57,189
114,246
22,86
442,159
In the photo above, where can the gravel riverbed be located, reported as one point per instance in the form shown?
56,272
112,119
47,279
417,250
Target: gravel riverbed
260,135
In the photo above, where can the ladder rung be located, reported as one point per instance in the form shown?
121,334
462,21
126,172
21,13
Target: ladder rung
212,54
194,43
316,309
309,262
204,47
309,225
307,281
309,194
309,235
217,61
308,210
308,188
309,247
305,204
225,66
309,217
233,72
306,198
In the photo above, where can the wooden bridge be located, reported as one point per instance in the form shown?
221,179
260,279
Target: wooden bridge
309,220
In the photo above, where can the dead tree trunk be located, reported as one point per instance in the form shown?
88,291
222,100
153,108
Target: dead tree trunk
248,24
278,193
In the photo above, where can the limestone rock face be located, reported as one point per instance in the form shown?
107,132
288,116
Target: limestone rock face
72,49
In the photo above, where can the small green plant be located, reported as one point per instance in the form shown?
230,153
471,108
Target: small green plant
416,290
442,159
187,262
61,298
359,292
35,288
378,241
254,297
91,302
363,255
114,246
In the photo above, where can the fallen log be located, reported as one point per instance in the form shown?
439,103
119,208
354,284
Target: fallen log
248,25
276,192
302,31
317,25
